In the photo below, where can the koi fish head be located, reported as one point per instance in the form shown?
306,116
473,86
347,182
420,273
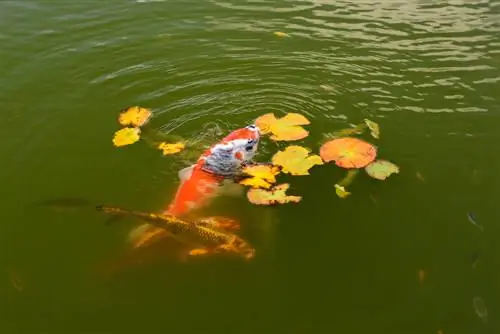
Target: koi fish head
226,157
244,141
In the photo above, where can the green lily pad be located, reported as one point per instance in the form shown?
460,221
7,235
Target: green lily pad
381,169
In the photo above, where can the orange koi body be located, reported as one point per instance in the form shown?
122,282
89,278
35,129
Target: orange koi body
194,192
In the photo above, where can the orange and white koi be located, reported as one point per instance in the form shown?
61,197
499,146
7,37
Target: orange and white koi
201,181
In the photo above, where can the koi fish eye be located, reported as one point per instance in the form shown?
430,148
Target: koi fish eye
253,128
250,145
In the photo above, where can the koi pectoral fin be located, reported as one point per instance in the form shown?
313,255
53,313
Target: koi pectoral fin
184,256
146,234
113,219
136,232
198,251
186,173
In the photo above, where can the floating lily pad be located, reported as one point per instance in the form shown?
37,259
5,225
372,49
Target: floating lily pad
374,128
135,116
296,160
348,152
126,136
171,148
261,176
287,128
276,195
381,169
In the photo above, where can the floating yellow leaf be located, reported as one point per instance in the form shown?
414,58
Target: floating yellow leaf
261,176
255,182
135,116
277,195
171,148
285,128
126,136
374,128
341,192
281,34
296,160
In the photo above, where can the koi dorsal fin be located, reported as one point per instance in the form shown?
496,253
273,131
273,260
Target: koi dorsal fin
186,173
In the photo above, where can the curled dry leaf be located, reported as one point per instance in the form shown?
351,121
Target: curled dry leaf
261,176
171,148
341,192
255,182
281,34
276,195
135,116
381,169
126,136
340,187
286,128
374,128
348,152
296,160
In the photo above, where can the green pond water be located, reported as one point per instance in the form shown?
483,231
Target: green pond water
427,71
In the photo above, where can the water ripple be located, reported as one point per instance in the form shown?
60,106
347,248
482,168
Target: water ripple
343,60
266,5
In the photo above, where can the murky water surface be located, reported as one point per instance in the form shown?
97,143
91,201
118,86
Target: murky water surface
398,256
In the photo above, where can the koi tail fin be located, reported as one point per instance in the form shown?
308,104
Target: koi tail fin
142,234
110,209
117,214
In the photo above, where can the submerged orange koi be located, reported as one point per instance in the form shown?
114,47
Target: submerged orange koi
157,253
202,237
15,280
163,251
